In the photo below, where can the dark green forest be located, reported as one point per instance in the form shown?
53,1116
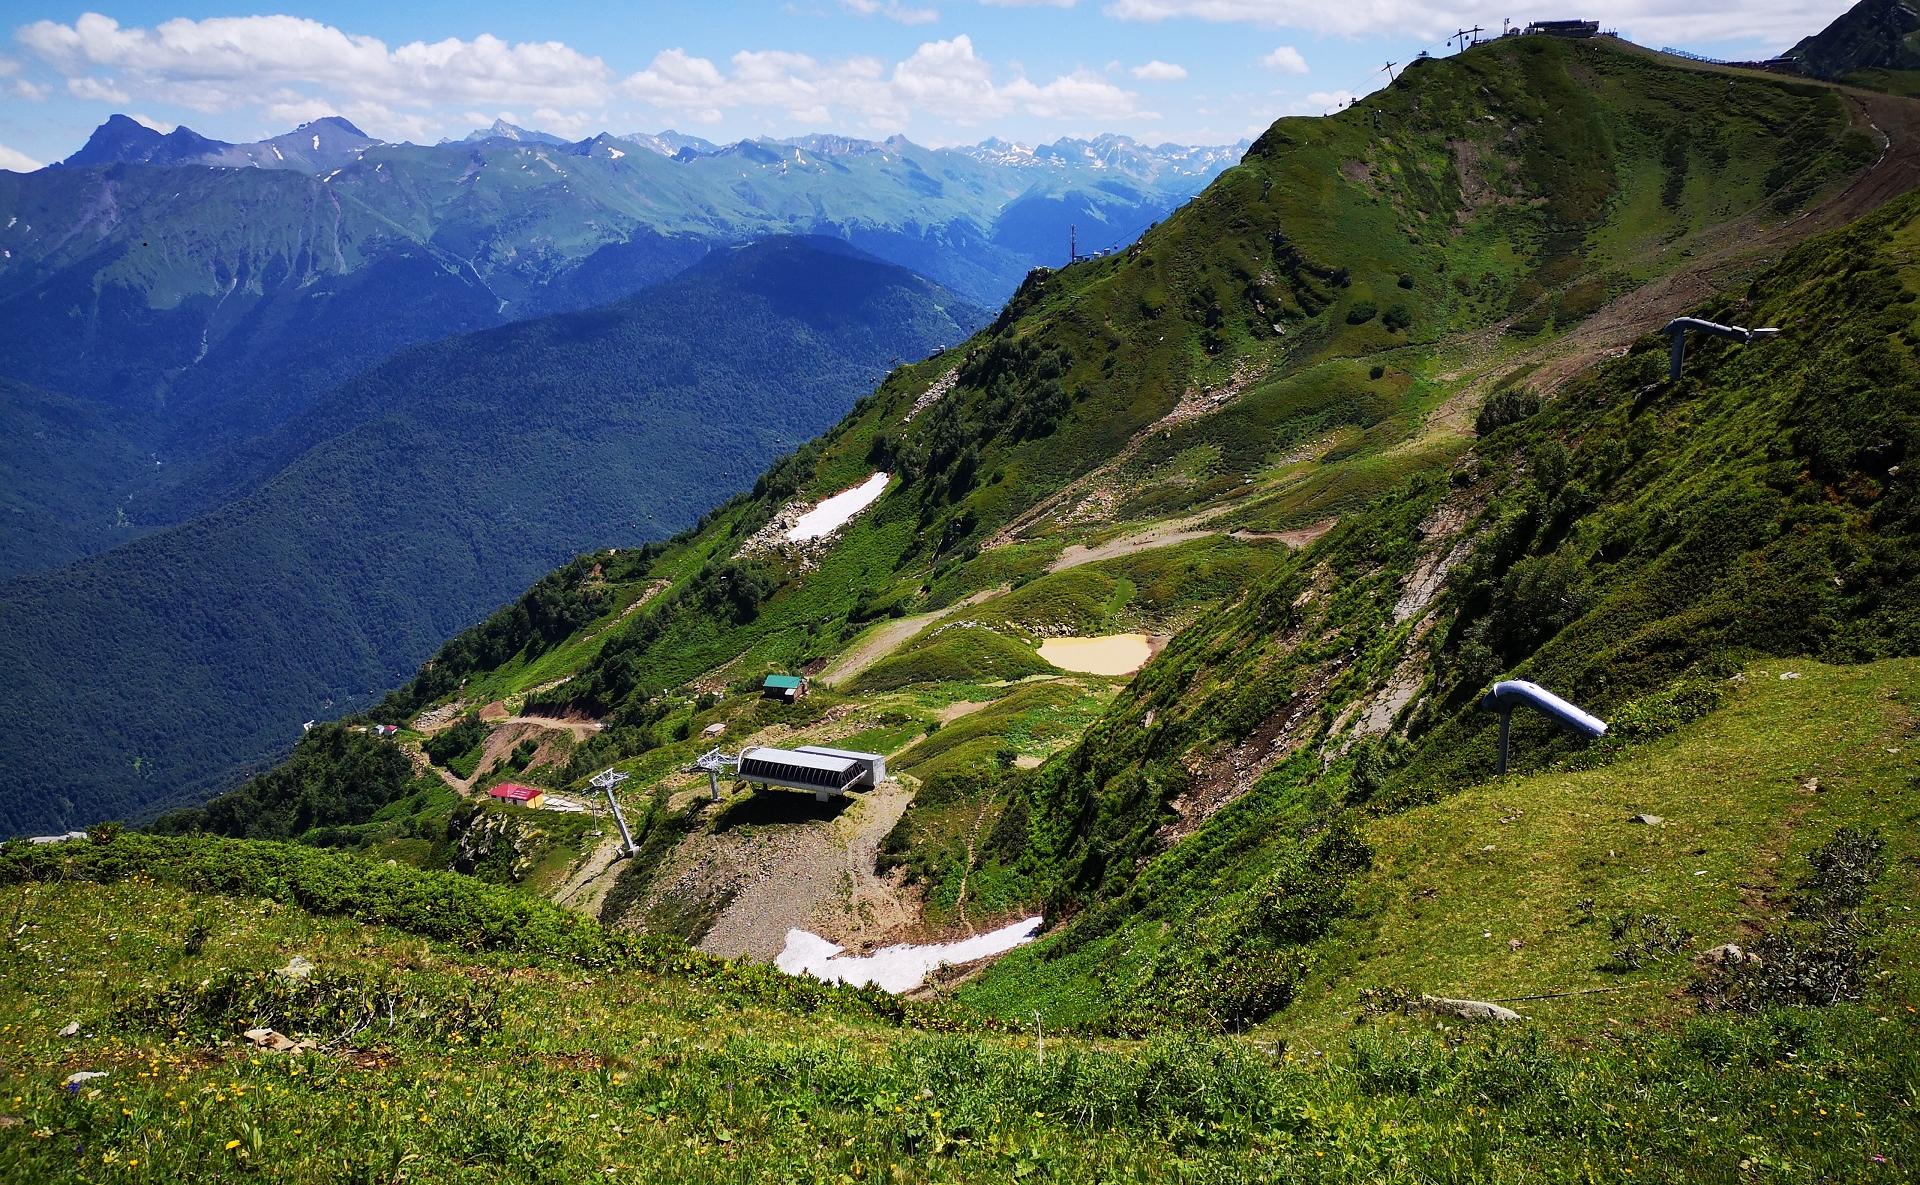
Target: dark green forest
452,478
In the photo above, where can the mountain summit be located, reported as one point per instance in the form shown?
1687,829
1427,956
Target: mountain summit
1874,44
330,142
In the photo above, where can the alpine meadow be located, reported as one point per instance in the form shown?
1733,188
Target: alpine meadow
1387,654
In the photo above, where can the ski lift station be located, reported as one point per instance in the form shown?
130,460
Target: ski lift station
809,767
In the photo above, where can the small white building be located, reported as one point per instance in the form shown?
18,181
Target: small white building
821,770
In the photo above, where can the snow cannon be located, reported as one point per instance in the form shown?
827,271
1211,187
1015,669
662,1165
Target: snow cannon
1677,328
1509,694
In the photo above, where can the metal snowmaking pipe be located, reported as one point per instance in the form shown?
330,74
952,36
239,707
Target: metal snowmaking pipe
1676,329
1509,694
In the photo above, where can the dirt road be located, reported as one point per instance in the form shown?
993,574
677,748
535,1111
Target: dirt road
889,636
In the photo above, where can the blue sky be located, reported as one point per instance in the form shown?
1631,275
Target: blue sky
939,71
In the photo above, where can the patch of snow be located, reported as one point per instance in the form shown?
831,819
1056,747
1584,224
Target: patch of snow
16,218
331,176
895,969
835,512
276,150
615,153
316,144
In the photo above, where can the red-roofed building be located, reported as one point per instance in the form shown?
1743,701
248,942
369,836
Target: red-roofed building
528,796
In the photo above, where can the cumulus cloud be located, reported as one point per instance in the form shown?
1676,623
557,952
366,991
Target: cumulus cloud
210,64
13,160
1080,95
290,69
947,78
99,89
1286,59
1159,71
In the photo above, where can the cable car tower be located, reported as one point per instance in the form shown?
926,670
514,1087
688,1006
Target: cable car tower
605,781
714,762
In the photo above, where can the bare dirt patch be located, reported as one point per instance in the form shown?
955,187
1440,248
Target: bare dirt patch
799,864
959,708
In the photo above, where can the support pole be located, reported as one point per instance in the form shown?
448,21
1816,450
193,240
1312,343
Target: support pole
713,784
620,821
606,780
1679,354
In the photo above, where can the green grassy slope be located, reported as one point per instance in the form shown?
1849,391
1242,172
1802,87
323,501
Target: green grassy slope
1553,861
1490,192
571,1055
1629,544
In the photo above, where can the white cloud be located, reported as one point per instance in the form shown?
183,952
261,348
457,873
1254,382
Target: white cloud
32,92
893,10
285,68
222,60
1159,71
568,123
99,89
148,121
947,76
1080,95
1028,3
947,79
17,161
1285,59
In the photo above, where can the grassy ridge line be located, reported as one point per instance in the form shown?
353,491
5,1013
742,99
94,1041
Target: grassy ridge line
466,913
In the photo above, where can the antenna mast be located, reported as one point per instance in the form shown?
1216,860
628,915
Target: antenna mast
1389,69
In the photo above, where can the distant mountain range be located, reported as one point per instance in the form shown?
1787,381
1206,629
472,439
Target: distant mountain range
329,143
333,142
195,294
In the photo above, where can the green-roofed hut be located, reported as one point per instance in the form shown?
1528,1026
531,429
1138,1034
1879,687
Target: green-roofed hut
783,687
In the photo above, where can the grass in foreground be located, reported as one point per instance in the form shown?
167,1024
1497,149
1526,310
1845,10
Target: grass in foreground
442,1066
